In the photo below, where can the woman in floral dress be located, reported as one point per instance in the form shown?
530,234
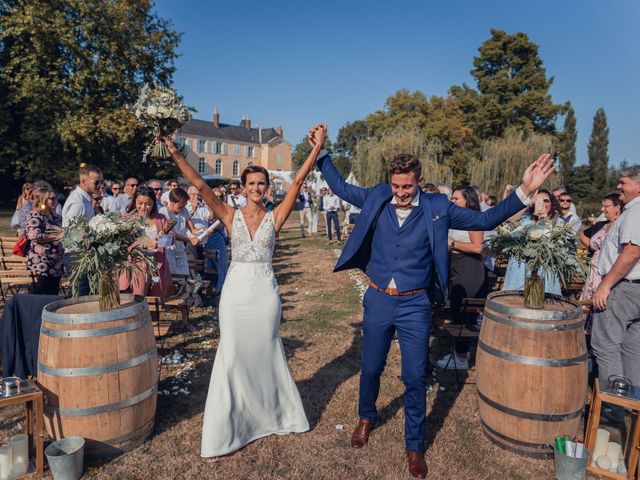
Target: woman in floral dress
44,232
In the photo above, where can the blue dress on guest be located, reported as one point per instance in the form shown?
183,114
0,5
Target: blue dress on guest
216,241
514,278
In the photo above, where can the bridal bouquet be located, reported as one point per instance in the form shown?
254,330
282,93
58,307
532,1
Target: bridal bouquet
103,247
543,247
162,111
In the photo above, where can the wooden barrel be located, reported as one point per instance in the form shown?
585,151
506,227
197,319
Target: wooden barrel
99,371
531,371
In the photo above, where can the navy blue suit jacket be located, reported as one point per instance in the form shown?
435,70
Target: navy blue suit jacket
439,213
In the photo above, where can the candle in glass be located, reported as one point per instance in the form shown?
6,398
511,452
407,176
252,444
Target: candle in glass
6,461
602,442
20,446
613,452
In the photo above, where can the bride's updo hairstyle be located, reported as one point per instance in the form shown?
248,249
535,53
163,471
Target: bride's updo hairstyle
254,169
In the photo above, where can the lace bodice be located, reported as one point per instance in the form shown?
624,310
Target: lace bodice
256,250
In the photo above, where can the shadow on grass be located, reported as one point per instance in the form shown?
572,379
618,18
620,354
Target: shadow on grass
318,391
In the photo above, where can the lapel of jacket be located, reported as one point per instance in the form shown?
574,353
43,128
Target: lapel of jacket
426,210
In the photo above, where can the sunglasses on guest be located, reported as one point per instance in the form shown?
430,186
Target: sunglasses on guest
96,182
566,200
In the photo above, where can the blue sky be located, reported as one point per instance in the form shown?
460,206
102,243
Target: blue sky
294,63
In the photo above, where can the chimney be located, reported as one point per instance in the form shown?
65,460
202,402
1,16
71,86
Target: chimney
259,135
279,131
216,118
247,121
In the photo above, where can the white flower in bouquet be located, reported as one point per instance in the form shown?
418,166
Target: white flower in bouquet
162,111
103,247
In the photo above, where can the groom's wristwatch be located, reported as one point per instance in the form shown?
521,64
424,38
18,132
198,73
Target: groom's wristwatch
452,245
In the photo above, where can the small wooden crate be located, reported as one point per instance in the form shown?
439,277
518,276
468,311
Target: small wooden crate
33,400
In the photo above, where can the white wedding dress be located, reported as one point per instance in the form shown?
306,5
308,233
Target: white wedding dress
251,393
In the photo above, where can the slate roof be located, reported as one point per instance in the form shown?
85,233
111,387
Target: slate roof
232,133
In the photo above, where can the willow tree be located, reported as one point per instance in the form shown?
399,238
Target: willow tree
505,159
371,158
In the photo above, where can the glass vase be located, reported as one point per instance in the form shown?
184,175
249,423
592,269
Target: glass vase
108,293
534,290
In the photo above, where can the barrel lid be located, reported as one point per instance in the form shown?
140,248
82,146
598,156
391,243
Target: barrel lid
511,302
130,305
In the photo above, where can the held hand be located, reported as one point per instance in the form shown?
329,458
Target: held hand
535,175
317,136
194,241
600,297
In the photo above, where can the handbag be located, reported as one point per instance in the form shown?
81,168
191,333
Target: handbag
21,246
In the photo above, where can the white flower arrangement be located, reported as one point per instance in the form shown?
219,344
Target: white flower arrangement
162,111
103,247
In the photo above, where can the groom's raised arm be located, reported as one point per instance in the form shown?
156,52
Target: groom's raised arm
351,193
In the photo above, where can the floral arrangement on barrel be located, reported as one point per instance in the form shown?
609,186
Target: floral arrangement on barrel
161,111
103,247
543,247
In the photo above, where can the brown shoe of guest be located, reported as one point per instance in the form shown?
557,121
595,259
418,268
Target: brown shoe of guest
360,435
417,465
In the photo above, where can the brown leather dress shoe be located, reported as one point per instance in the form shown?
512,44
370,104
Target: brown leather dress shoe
360,435
417,465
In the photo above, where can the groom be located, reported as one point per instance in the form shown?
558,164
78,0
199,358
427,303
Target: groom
401,242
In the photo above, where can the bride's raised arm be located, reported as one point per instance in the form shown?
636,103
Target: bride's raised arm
220,209
282,211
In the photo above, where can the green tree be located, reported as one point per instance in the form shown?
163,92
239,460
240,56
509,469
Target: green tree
581,184
349,136
68,70
302,150
513,88
568,139
598,152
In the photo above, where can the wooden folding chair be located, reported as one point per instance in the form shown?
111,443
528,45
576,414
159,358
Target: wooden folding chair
13,281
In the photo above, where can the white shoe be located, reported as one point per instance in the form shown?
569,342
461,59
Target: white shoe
446,362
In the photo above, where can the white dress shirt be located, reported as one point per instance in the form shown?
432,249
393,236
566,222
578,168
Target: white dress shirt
77,205
626,229
236,201
331,203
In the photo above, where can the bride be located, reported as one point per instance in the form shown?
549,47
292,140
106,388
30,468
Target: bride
251,393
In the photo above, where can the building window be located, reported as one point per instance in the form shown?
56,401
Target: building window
201,146
217,147
180,142
218,167
236,149
236,168
248,152
187,142
202,165
255,153
280,158
225,149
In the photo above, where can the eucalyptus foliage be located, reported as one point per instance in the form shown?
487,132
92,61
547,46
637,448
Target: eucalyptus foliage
542,247
102,248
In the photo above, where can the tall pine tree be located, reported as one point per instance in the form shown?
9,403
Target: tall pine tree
567,157
599,152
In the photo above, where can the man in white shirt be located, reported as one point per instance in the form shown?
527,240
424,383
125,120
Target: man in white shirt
235,199
566,202
305,208
331,206
615,336
79,204
123,201
169,185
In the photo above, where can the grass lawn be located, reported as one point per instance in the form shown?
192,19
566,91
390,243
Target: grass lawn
321,332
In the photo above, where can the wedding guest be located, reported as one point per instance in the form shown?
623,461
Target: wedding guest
446,189
430,188
124,201
466,274
544,208
176,212
268,200
559,190
45,253
79,204
492,201
615,335
96,202
156,185
331,208
25,196
218,241
199,214
482,198
565,201
141,281
235,199
168,186
305,209
611,207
